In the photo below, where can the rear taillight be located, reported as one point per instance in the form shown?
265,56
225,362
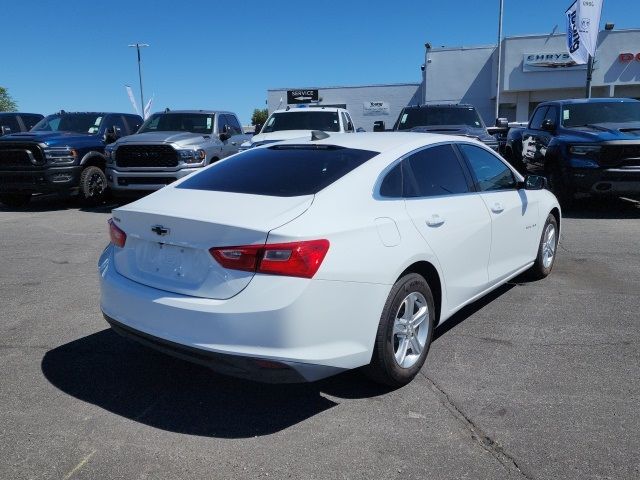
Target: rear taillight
295,259
118,237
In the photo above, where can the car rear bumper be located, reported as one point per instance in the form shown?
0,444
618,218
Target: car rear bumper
135,181
311,329
45,180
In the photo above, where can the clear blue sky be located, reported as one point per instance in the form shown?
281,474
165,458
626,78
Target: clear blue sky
73,54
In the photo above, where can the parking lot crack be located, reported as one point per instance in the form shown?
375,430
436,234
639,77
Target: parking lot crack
481,438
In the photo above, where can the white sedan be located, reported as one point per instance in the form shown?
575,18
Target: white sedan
299,260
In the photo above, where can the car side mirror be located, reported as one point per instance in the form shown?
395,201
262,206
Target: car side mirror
549,125
378,126
224,136
502,123
5,130
534,182
360,130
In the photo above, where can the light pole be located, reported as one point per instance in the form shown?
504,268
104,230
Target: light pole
138,47
499,58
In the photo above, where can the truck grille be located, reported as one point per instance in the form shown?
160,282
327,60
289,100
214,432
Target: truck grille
20,154
620,155
131,156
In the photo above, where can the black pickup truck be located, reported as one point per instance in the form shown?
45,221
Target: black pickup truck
582,145
62,153
448,118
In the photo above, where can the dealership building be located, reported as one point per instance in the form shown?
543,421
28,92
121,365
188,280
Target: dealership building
534,68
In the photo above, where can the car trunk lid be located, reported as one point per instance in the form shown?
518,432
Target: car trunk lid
170,232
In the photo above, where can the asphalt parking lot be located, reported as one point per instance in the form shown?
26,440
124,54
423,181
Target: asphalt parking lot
538,381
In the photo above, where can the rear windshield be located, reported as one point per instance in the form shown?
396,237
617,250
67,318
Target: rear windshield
435,116
279,171
304,120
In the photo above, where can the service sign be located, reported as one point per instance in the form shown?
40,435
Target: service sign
302,96
544,62
376,108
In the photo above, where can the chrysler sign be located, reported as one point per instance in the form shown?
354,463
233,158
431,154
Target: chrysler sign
302,96
541,62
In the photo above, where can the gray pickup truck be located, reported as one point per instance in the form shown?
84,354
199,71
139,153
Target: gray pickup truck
169,146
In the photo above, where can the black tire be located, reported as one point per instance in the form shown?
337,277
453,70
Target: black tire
563,192
384,368
93,185
541,268
15,200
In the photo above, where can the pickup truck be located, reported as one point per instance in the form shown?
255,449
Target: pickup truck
62,153
169,146
290,123
14,122
582,146
449,119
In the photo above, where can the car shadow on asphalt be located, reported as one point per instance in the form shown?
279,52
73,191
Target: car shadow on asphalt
54,203
143,385
164,392
603,208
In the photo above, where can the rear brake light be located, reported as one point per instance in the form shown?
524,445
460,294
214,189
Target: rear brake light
295,259
118,237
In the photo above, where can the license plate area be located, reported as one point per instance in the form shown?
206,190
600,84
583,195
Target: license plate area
173,263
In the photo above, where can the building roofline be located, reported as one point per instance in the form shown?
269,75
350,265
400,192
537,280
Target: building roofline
412,84
518,37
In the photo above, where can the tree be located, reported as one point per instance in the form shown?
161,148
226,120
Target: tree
259,116
6,102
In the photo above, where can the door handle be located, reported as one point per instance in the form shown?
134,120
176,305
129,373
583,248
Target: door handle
435,220
497,208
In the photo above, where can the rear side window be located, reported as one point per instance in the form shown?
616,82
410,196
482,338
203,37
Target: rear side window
280,171
435,171
391,186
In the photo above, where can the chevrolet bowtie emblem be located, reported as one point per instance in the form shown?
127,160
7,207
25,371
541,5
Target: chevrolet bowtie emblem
160,230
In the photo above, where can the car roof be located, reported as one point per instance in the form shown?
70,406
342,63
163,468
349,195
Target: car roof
208,112
442,105
5,114
574,101
309,109
382,142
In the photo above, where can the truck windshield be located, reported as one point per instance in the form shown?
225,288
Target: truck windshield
581,114
179,122
306,120
70,122
431,116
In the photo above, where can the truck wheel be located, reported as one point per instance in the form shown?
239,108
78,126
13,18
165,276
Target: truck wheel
404,332
563,192
15,200
93,185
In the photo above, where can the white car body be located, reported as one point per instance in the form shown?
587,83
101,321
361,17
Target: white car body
187,302
343,124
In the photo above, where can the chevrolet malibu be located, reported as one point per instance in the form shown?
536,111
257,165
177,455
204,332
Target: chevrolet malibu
303,259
